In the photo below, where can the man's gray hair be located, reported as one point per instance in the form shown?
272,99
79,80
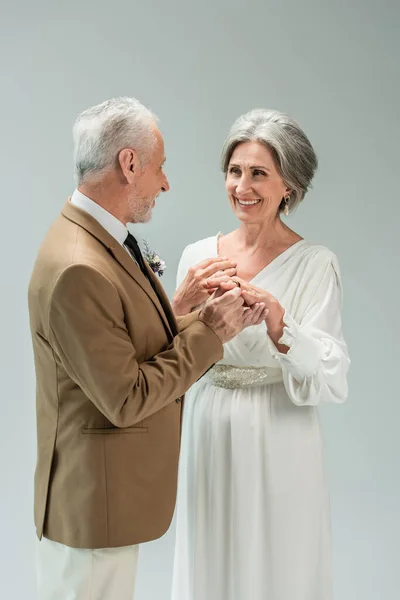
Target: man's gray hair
293,153
102,131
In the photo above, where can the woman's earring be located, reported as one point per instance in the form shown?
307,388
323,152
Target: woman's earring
286,207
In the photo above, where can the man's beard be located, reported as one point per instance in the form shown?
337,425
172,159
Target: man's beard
140,210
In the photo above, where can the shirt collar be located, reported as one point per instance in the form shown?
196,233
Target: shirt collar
110,223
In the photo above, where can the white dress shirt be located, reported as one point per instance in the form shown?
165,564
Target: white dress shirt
110,223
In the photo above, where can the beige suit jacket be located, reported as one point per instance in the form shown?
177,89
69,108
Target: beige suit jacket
112,365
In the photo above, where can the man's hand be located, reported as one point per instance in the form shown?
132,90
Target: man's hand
226,314
201,281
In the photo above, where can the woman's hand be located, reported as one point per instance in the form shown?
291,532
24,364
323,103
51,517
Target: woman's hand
275,312
254,314
200,282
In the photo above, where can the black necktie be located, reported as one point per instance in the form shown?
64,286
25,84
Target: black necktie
134,248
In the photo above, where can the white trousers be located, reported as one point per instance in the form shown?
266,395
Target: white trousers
65,573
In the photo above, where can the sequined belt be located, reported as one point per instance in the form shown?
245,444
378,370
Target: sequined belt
227,376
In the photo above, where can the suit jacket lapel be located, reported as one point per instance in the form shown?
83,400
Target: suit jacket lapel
163,298
87,222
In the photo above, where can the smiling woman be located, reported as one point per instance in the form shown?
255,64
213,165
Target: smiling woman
253,513
272,145
253,182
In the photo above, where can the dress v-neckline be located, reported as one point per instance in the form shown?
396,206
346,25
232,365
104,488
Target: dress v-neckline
274,263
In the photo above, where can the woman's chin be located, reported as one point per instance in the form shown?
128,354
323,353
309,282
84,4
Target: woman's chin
248,216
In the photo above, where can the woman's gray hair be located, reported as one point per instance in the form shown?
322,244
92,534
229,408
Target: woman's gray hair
293,153
102,131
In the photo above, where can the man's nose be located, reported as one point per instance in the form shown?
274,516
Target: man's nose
165,185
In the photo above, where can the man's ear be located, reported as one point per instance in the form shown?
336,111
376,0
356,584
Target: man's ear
129,163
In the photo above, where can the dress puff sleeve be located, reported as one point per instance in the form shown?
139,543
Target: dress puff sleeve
316,365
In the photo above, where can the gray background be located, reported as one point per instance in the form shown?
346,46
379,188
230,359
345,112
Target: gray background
334,67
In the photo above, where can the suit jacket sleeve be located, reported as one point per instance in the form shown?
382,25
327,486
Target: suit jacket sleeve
87,331
186,320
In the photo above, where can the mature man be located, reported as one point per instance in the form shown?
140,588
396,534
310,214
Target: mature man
112,364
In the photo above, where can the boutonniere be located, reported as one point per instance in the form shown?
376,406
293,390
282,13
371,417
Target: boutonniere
156,264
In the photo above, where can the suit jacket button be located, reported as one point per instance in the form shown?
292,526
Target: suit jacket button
178,400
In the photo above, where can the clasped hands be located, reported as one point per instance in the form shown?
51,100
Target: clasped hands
216,277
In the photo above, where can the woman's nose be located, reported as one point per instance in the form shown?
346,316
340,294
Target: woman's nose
243,185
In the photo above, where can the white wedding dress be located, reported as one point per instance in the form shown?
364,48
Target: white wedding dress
253,510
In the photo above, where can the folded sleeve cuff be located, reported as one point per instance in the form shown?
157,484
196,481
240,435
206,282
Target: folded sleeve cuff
304,354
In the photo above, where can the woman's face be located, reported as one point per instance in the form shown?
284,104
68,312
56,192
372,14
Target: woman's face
255,188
